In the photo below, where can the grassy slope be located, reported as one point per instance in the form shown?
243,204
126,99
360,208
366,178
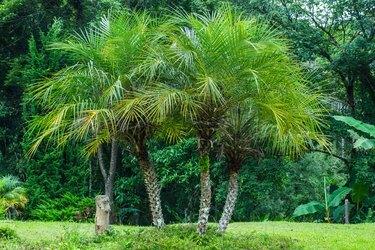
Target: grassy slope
309,235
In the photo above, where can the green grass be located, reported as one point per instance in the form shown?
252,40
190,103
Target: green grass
249,235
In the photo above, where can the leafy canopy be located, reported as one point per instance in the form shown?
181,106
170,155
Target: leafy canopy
217,61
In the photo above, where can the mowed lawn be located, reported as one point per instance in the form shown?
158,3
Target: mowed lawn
306,235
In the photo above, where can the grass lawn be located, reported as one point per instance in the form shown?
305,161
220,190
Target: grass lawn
67,235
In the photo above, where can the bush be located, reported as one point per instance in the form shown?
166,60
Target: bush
67,208
170,237
186,237
7,233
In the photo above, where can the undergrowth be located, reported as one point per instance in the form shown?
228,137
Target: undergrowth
171,237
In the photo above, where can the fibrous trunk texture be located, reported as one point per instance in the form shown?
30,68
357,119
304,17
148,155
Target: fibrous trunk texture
153,191
103,210
230,201
205,201
152,187
205,183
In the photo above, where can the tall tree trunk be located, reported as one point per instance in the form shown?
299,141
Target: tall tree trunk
110,175
230,201
205,183
152,185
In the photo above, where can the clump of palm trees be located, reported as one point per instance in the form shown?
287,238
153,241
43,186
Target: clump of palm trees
226,78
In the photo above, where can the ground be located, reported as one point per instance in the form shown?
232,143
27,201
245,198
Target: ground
35,235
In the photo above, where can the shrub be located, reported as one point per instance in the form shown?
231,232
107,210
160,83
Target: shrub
186,237
12,196
170,237
67,208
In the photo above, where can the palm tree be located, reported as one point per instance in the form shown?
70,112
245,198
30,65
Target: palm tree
134,124
242,137
215,61
237,137
94,100
12,195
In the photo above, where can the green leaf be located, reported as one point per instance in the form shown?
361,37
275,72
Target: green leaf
361,142
361,126
337,196
364,143
354,134
308,208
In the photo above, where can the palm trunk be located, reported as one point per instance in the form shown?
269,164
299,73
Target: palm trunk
205,199
110,175
205,202
230,201
152,186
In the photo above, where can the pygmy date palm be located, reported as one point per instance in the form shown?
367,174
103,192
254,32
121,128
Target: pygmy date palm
219,60
93,100
244,134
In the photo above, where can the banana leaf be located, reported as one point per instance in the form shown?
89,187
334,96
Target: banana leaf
308,208
337,196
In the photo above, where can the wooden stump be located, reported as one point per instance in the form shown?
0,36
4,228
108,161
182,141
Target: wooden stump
103,210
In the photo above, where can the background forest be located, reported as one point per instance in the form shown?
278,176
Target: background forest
333,41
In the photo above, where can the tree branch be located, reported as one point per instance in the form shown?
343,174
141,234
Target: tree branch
333,155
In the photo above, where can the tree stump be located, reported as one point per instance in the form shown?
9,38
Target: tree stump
103,210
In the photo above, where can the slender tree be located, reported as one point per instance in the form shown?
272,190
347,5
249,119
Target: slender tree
242,136
237,137
132,49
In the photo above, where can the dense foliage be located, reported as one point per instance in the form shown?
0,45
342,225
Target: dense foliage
336,48
12,196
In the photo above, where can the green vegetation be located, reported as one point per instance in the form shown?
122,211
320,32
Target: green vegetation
330,207
118,91
360,141
7,233
12,196
67,208
258,235
254,106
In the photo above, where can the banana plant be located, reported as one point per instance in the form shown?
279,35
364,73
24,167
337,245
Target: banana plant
330,206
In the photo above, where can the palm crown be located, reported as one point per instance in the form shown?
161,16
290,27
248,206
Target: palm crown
94,98
220,60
